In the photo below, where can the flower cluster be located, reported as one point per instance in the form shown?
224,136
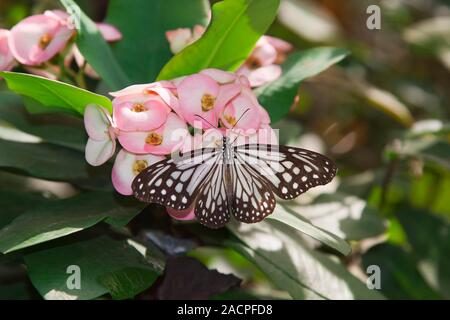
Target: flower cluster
261,67
37,39
151,121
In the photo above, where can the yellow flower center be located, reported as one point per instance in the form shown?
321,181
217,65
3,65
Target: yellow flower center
208,102
154,138
138,107
44,41
138,166
230,119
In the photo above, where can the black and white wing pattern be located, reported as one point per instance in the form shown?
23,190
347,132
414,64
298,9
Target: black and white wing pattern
244,187
175,182
213,208
289,171
253,198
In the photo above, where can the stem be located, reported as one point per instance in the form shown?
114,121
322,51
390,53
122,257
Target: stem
392,166
80,79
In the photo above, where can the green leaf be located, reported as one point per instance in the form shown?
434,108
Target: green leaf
95,49
429,236
143,49
54,95
60,218
400,278
278,96
281,253
235,27
343,215
106,265
59,129
287,216
44,160
14,203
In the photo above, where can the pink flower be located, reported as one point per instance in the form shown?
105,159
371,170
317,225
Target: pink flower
127,166
182,215
182,37
164,140
102,135
262,65
7,61
38,38
197,97
140,112
239,107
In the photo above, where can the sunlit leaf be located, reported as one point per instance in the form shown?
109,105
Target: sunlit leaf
280,252
345,216
288,217
235,27
54,95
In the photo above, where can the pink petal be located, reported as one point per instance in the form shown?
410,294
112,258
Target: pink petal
127,166
263,75
226,93
97,122
98,152
179,39
109,32
264,53
139,112
220,76
42,72
183,215
279,44
197,32
197,95
60,14
7,61
165,140
27,35
164,89
233,114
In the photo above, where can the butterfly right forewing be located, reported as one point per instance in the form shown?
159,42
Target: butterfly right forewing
288,170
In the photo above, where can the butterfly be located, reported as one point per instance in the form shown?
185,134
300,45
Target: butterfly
229,180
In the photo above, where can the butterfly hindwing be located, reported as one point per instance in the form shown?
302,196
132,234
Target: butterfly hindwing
253,198
212,207
289,171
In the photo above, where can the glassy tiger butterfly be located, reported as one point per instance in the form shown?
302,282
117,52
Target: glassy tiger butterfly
232,180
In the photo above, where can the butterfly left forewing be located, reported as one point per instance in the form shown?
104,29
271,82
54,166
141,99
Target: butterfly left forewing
289,171
174,182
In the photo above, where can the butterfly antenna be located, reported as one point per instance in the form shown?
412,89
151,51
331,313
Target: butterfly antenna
238,134
242,115
197,115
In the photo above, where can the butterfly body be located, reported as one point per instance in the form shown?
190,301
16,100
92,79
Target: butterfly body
228,180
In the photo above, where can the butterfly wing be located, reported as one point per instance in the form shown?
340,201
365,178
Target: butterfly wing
287,170
175,182
253,198
213,207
